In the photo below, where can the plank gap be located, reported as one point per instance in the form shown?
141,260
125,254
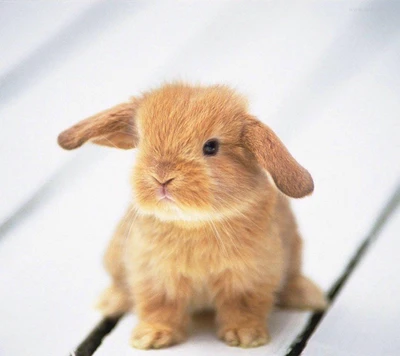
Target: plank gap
91,343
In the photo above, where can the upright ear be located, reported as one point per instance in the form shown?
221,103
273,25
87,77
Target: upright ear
114,127
289,176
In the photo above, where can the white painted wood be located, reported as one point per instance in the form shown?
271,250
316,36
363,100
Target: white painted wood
25,26
51,271
365,318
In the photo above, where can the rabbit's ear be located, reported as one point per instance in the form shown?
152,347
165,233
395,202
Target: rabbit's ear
289,176
114,127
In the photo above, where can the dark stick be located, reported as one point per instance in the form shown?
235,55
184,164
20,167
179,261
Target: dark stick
95,338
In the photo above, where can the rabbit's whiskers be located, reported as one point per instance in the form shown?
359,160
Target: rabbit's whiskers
217,236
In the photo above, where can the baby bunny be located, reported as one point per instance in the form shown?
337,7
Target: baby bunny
210,225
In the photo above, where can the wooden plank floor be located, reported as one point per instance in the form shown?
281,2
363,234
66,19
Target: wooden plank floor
365,319
323,75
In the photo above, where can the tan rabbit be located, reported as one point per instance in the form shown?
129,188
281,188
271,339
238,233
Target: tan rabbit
210,225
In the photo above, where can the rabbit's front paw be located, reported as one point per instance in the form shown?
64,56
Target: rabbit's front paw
148,336
245,336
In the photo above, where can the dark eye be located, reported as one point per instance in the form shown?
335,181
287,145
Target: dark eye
210,148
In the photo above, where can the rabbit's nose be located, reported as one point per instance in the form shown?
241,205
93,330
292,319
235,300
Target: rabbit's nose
167,181
163,183
162,172
162,190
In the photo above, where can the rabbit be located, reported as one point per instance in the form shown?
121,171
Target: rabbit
210,224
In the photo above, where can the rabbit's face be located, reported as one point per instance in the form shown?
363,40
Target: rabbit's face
191,165
201,156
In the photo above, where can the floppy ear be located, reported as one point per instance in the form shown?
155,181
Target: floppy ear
114,127
289,176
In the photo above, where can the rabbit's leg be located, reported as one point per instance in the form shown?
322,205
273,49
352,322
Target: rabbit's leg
302,293
241,317
299,291
116,300
163,319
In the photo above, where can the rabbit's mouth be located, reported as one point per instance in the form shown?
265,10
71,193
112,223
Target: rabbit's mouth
163,195
166,200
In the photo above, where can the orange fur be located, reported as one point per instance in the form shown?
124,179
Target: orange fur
228,239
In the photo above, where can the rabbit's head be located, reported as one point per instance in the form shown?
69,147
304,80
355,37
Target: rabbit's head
201,156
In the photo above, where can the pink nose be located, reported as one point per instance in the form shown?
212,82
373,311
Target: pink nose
163,191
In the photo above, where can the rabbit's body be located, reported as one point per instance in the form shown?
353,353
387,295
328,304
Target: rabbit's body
207,228
192,259
193,263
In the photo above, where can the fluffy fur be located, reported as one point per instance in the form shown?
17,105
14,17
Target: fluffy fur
224,237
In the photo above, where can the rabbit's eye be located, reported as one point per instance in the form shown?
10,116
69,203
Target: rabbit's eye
210,148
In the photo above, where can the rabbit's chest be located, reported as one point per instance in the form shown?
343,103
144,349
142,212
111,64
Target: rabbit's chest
199,257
